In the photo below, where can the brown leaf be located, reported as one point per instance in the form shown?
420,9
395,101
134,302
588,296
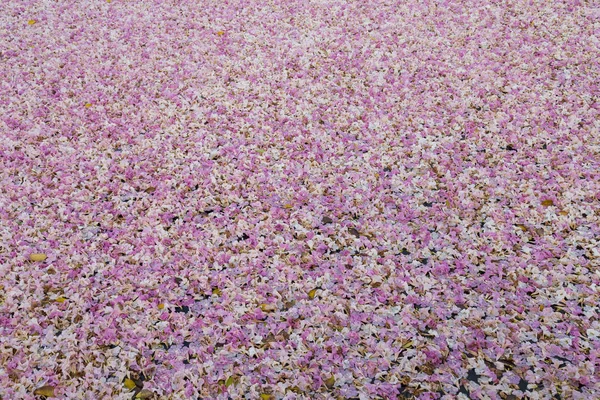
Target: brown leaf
521,227
47,391
289,304
354,232
547,203
270,338
326,220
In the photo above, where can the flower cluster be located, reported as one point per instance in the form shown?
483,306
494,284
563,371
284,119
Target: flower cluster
283,199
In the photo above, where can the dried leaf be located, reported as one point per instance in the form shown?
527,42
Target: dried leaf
139,380
129,384
88,105
289,304
287,206
230,381
267,307
329,382
354,232
521,227
547,203
407,345
326,220
47,391
144,394
312,293
37,257
220,33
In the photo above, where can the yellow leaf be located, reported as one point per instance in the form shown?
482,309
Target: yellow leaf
260,151
267,307
129,384
144,394
287,206
161,306
220,33
47,391
88,105
407,345
329,382
230,381
31,21
547,203
265,396
37,257
312,293
61,299
217,291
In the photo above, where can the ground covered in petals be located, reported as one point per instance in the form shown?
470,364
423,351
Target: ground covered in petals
299,199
